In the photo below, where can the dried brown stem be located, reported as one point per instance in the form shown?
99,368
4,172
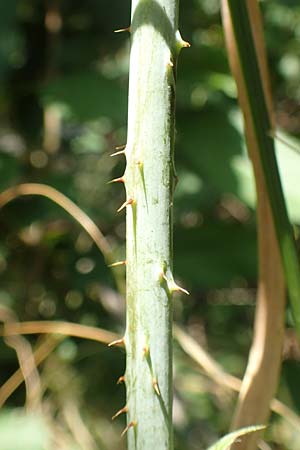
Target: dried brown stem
41,352
65,328
74,421
216,372
48,345
26,361
262,373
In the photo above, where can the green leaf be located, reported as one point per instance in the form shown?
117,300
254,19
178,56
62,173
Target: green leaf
217,241
226,441
287,153
96,96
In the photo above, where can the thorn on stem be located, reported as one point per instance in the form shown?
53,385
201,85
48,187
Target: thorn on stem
123,29
156,387
121,411
176,288
180,42
146,351
117,180
120,152
186,44
118,263
167,277
131,424
121,379
117,342
127,203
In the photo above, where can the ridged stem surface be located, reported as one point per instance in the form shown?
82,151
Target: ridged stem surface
149,182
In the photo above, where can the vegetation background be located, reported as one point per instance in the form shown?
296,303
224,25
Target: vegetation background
63,110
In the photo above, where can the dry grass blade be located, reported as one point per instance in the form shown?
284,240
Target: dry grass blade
13,329
40,354
77,427
70,207
26,362
222,378
204,360
262,373
55,327
60,199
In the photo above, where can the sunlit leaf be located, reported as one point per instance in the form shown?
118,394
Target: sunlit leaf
226,441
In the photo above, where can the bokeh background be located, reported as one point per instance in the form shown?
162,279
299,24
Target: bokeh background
63,109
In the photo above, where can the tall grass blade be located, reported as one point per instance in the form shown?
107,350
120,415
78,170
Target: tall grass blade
262,126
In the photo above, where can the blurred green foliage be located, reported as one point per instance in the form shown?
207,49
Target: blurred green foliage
63,101
32,432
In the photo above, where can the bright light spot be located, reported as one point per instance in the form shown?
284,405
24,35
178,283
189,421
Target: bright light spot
39,159
85,265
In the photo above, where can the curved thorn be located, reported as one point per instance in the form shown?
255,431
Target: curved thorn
186,44
180,42
121,379
127,203
117,180
121,411
131,424
118,263
120,147
177,288
117,342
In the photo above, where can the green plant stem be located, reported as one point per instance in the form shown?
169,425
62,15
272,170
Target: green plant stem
262,127
149,182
